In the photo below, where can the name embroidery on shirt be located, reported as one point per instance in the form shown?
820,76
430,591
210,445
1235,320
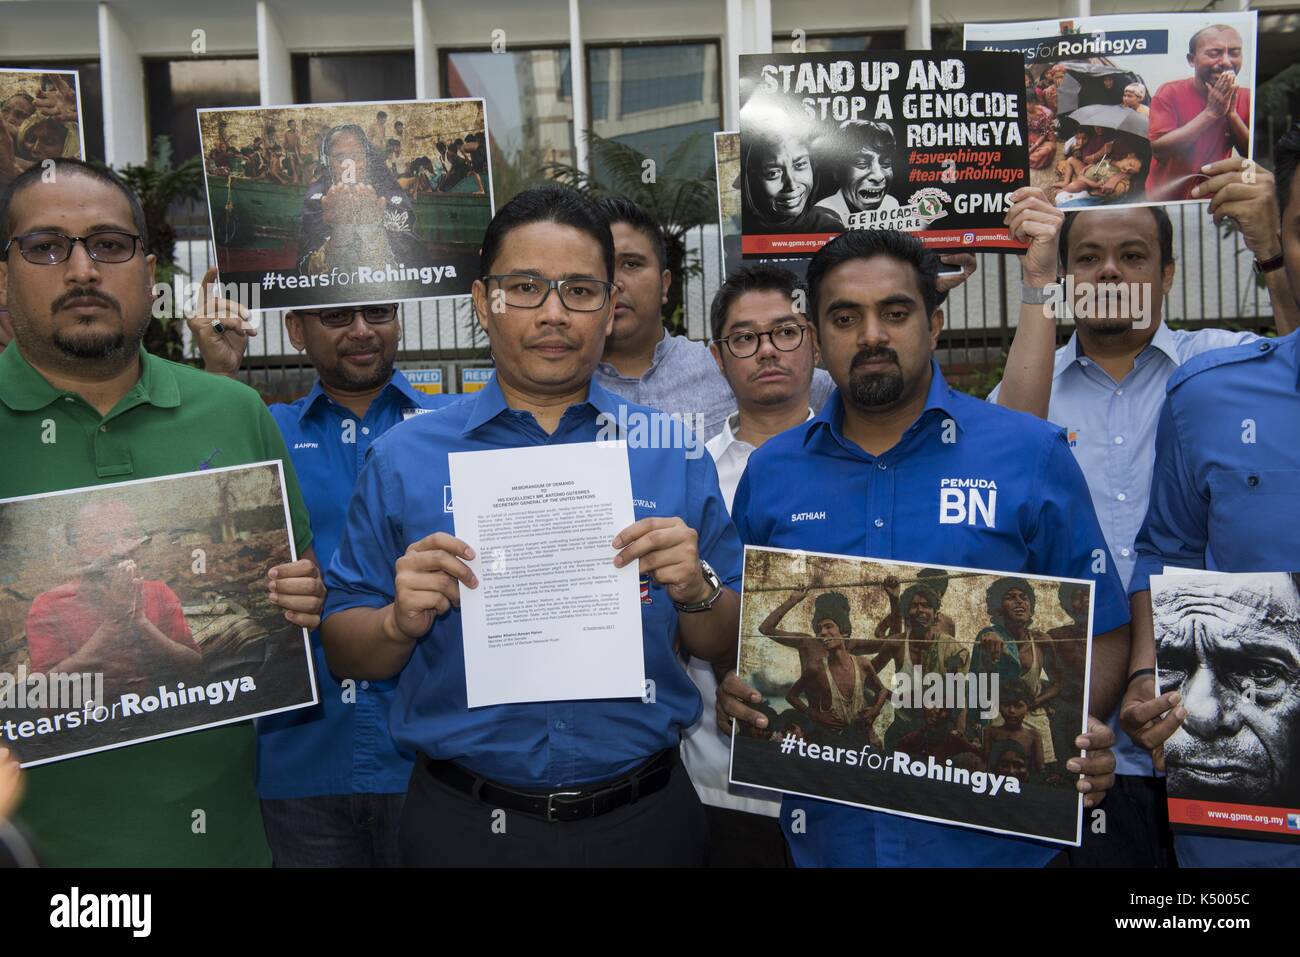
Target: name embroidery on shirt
968,501
306,445
645,503
807,516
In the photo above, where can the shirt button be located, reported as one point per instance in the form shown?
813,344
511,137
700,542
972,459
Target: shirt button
560,726
1124,552
68,398
103,428
365,685
1263,347
365,430
882,466
1122,497
1119,440
880,523
1119,391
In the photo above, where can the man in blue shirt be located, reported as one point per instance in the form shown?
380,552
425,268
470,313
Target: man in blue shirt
593,782
330,777
886,471
1223,498
1105,387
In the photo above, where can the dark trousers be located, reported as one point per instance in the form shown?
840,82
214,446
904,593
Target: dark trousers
338,830
742,839
442,827
1133,830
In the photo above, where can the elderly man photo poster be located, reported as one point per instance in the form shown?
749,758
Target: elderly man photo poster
1230,645
1126,110
927,143
40,119
140,610
946,694
348,203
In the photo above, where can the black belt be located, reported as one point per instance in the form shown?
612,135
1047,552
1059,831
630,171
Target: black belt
576,805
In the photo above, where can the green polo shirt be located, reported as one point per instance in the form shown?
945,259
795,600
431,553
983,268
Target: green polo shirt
187,800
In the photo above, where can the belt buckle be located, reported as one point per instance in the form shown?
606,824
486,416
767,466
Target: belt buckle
550,803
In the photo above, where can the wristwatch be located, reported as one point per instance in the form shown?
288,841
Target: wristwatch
1268,265
714,582
1037,295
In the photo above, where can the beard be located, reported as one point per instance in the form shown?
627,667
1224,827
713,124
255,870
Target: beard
100,347
871,389
340,378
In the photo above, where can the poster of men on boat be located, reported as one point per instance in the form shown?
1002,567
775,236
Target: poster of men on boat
947,694
348,203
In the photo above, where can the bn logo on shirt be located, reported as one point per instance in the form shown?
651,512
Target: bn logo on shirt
968,502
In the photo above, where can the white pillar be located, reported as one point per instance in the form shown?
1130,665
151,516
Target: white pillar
274,74
426,52
917,34
1077,8
578,83
747,29
122,76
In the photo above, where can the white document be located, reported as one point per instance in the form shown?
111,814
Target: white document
552,619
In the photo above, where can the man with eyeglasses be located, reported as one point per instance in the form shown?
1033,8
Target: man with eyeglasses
766,351
330,777
551,783
82,404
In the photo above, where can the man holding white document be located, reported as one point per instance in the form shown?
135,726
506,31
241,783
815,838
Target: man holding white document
538,679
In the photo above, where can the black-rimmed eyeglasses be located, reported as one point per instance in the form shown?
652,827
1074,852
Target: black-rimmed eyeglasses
49,248
338,318
786,337
521,291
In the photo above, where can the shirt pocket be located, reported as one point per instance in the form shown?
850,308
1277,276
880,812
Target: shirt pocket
1250,510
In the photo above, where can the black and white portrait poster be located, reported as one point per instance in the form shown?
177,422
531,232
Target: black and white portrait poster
338,204
726,159
927,143
140,610
40,119
947,694
1127,110
1229,644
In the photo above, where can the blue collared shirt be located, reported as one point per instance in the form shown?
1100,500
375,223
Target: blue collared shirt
403,495
811,488
1111,428
341,745
1223,497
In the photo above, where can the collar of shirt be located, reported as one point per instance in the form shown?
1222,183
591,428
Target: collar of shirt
398,383
828,425
724,440
663,347
24,389
1162,341
490,402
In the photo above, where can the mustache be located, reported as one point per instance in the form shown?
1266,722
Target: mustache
553,340
85,293
868,354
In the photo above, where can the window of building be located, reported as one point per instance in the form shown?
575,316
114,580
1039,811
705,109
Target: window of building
1277,104
528,95
841,42
176,88
655,96
353,77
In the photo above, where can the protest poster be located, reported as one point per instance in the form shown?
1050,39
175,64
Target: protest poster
1229,644
1125,110
927,143
40,119
348,203
726,160
139,610
947,694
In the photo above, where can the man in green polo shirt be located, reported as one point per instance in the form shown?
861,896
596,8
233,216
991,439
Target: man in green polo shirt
81,403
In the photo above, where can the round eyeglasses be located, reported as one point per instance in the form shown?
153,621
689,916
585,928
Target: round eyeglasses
49,248
786,337
521,291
